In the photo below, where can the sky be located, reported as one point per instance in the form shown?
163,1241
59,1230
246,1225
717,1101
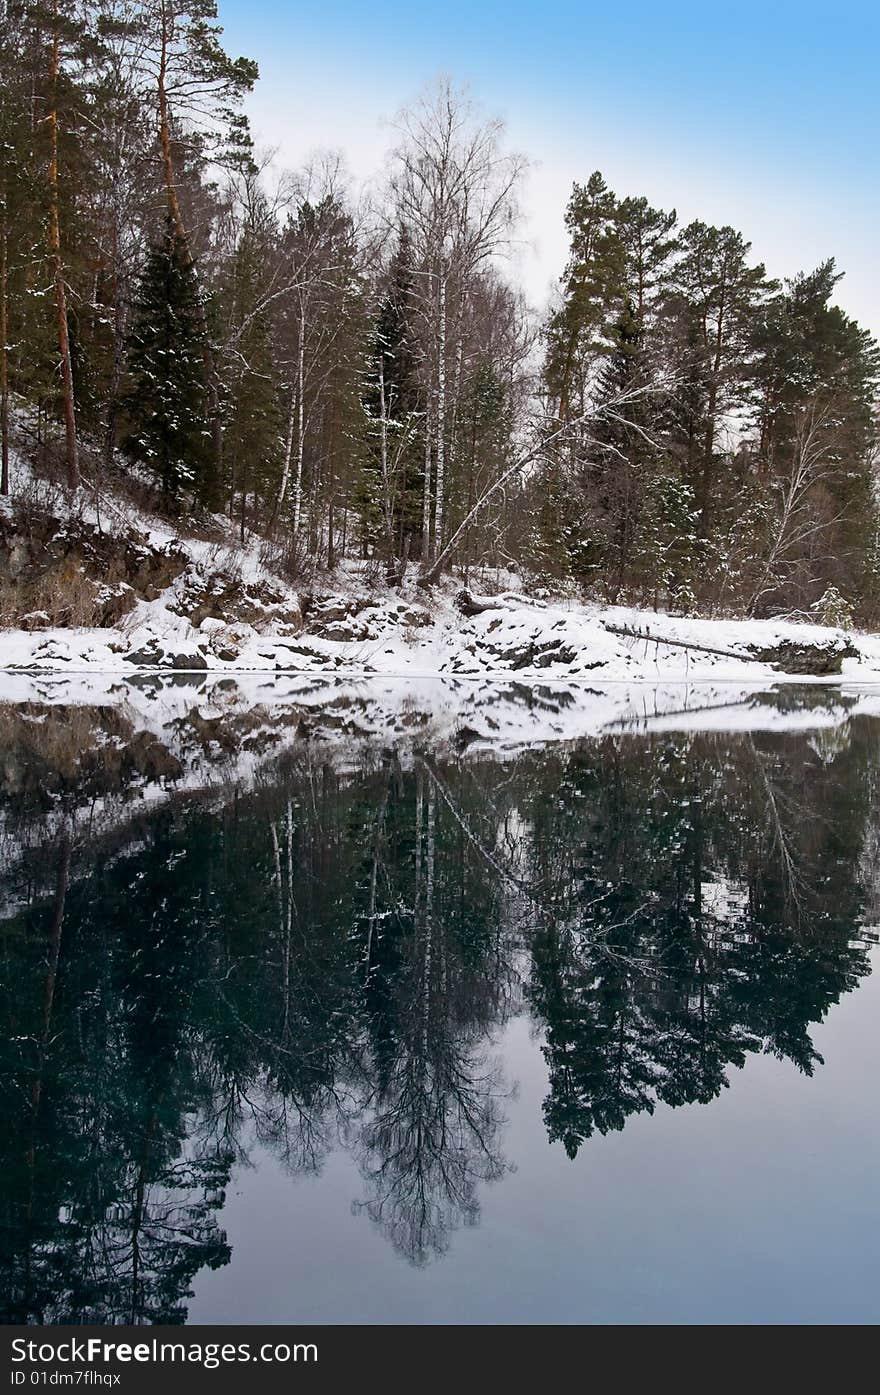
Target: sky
761,115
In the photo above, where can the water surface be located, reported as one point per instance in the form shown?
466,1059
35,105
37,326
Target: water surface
442,1005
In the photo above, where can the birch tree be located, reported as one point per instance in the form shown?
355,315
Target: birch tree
454,187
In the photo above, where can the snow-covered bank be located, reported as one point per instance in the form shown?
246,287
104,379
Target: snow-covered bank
116,590
420,636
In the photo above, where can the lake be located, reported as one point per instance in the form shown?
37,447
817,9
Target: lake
435,1002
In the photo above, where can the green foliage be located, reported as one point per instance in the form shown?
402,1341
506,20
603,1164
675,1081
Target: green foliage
592,283
833,609
167,404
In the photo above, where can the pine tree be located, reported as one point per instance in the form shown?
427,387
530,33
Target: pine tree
167,404
592,285
647,237
815,383
720,295
618,461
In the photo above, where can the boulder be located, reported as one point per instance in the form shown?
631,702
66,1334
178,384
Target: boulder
818,660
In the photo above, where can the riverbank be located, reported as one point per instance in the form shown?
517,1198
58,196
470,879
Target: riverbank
349,633
114,589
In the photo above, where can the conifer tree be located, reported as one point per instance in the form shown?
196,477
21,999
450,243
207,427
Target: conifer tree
391,494
167,404
619,459
577,330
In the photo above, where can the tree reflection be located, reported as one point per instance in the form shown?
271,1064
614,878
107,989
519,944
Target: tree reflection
433,1113
326,960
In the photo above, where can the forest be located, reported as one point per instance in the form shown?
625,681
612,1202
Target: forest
353,374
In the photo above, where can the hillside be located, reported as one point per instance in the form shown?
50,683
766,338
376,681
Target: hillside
114,587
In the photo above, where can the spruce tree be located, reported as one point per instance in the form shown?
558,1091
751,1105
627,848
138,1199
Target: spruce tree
391,402
168,402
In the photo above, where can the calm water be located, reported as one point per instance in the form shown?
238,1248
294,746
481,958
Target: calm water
338,1010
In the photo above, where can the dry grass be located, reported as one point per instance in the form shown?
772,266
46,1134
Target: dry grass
61,598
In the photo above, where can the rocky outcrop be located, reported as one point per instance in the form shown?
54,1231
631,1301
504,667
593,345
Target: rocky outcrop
811,660
68,572
220,593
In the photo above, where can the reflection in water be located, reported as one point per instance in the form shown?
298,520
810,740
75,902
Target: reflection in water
321,956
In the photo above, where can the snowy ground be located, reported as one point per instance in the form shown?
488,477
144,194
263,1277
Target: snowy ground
227,612
428,636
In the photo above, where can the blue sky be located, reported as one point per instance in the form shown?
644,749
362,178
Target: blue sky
764,115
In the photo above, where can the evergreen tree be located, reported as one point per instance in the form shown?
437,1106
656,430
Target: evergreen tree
815,381
390,498
167,404
619,459
592,285
648,241
719,295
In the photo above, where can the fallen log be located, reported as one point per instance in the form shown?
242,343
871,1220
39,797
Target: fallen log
789,656
648,638
468,604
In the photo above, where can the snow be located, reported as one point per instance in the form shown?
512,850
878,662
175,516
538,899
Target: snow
555,640
404,632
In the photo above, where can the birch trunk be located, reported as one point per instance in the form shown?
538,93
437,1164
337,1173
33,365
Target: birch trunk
440,482
288,457
426,497
387,509
300,421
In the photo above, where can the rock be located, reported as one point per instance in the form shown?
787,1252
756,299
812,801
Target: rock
75,572
148,657
415,617
112,602
346,631
543,655
35,620
335,617
812,660
188,661
219,597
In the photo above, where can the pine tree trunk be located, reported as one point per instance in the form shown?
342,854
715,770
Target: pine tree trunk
177,223
165,132
4,355
706,478
71,451
707,482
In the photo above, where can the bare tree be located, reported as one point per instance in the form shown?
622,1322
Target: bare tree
543,437
453,187
798,522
